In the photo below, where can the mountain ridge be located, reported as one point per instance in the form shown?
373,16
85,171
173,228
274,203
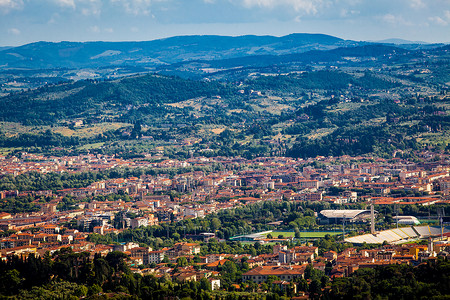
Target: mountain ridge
162,51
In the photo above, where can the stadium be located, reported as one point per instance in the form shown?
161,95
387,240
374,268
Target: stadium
400,235
344,215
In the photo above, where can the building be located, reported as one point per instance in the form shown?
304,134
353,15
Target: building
142,253
347,215
308,184
50,229
279,247
330,255
256,262
138,222
406,220
156,256
215,283
4,216
260,274
99,230
180,249
286,256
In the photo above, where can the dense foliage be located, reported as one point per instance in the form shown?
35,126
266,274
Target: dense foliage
324,80
69,275
34,181
50,104
427,281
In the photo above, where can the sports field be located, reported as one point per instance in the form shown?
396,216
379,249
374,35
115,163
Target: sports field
303,234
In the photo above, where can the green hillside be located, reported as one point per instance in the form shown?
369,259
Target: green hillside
372,99
109,99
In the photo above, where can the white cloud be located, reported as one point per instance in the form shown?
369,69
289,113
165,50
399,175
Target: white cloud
441,21
7,5
395,20
91,7
417,4
14,31
90,11
53,19
66,3
98,29
85,7
94,29
305,6
345,13
137,7
438,20
447,15
389,18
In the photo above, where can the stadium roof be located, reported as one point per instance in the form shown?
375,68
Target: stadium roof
344,213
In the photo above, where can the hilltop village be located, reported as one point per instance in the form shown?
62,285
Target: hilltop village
147,193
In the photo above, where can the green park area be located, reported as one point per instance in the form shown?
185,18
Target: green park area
303,234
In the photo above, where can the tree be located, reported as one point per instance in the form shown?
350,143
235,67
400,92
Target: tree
215,224
229,270
176,236
81,291
297,233
205,285
182,262
94,289
315,287
10,282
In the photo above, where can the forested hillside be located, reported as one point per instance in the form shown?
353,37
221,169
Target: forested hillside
84,99
372,98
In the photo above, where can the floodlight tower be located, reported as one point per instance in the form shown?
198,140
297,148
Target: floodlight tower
396,213
441,214
343,228
372,219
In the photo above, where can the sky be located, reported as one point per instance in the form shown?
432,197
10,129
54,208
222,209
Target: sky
27,21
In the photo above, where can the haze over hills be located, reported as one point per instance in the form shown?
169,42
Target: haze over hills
399,41
163,51
45,55
36,64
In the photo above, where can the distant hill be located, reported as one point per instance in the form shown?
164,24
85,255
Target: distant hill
399,42
46,55
364,54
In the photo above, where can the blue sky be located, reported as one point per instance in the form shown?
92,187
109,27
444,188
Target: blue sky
26,21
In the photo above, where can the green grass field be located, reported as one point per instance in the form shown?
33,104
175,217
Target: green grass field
304,234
